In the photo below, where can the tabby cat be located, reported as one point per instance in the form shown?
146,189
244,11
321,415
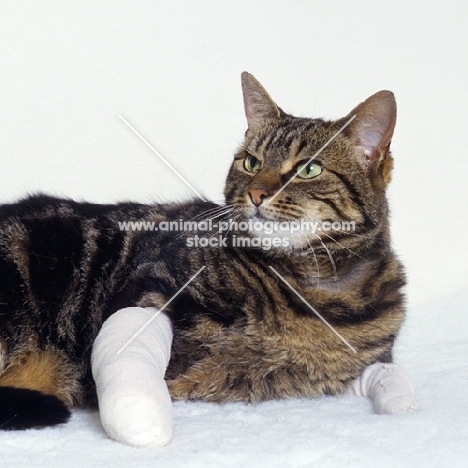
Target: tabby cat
296,313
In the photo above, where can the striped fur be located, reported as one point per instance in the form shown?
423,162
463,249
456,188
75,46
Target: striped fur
240,333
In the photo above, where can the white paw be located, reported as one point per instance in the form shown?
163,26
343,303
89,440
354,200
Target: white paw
404,404
134,402
388,386
392,391
137,420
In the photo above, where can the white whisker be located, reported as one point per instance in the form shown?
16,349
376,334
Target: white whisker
344,247
330,256
315,259
212,210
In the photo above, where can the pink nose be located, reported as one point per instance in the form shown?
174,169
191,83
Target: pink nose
257,196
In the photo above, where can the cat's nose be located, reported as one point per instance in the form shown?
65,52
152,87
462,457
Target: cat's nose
257,196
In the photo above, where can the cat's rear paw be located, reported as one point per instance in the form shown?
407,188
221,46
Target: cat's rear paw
404,404
388,386
392,391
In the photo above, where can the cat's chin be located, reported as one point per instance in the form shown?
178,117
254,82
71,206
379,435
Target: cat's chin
262,218
274,237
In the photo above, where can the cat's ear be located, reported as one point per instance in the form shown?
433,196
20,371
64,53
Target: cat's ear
258,104
372,128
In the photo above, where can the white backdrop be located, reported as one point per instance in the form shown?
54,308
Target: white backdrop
67,69
172,69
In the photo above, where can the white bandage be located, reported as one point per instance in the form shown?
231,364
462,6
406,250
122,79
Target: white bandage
134,402
388,386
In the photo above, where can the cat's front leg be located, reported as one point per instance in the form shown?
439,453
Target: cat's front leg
388,386
134,402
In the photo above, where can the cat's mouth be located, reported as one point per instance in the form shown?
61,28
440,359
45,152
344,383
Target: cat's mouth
261,216
276,229
265,214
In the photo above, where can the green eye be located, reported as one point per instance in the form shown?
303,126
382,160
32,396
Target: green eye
309,170
252,164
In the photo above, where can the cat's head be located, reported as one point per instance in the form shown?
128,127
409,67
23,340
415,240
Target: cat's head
292,169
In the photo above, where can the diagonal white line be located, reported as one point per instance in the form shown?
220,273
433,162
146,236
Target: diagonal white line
161,309
313,157
159,155
313,310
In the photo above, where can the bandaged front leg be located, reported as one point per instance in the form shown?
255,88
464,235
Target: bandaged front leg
388,386
134,402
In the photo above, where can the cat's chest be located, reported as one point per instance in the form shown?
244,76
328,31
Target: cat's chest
276,335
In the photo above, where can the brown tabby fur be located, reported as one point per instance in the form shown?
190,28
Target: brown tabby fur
240,333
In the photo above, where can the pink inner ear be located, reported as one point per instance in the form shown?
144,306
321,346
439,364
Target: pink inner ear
372,129
368,142
368,155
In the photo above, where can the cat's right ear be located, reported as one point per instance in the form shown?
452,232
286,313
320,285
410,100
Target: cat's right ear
258,104
372,127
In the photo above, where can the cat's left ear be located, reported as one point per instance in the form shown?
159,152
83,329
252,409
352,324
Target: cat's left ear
258,104
372,128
